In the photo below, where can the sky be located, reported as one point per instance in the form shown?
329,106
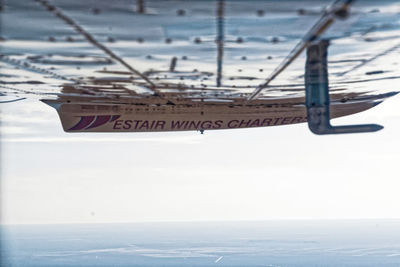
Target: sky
280,172
271,173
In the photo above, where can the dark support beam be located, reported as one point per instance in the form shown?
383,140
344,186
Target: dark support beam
220,39
172,65
317,94
140,8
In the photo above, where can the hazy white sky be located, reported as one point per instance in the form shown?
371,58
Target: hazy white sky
282,172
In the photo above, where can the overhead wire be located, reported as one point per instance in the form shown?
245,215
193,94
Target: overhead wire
58,13
365,62
318,28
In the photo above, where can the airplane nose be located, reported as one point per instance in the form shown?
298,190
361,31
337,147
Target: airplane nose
51,103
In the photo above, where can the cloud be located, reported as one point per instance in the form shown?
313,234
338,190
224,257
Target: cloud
25,118
14,130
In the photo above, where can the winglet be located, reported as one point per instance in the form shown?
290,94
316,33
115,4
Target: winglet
317,95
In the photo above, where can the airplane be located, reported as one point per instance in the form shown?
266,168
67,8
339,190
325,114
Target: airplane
207,93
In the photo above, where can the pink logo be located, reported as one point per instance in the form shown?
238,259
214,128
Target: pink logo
89,122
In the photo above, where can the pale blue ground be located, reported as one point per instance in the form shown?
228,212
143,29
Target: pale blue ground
274,243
